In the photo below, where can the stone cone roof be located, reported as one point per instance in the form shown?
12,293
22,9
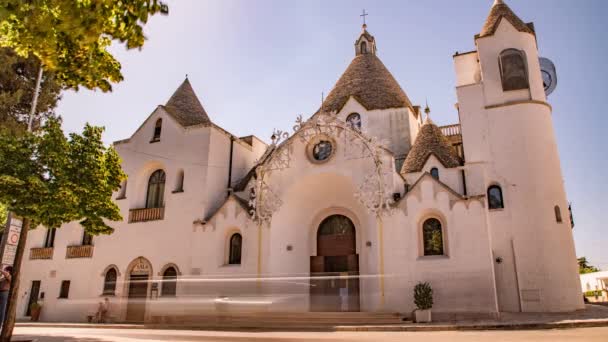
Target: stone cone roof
370,83
185,106
499,11
430,141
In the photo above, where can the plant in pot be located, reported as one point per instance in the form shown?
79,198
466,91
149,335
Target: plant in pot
35,309
423,298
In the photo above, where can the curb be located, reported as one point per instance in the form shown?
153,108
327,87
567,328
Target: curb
340,328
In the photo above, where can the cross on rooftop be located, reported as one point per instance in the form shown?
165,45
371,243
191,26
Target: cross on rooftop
363,15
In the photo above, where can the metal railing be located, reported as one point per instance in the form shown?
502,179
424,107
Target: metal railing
450,130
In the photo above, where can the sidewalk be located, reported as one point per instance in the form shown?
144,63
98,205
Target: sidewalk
592,316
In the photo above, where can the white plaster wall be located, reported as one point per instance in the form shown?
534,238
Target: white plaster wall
389,125
196,151
514,146
462,280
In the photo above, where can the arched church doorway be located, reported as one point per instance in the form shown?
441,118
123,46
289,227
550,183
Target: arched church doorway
335,269
139,273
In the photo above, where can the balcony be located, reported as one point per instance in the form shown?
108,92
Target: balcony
83,251
41,253
146,214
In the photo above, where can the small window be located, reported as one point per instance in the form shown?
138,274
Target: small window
157,129
363,47
234,256
432,236
354,121
109,282
64,292
513,71
169,287
495,197
49,240
156,189
179,182
435,173
87,239
122,193
558,214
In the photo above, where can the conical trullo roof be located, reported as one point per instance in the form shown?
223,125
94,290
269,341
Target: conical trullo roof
499,11
430,141
185,106
368,81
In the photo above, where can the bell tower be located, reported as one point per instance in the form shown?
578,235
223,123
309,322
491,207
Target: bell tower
509,141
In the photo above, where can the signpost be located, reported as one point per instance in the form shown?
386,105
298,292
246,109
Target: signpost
10,240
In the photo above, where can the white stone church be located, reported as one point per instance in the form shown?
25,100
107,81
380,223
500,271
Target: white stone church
364,199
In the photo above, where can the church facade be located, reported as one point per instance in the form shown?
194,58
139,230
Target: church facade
365,199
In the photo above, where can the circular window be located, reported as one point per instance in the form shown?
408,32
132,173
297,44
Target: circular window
320,149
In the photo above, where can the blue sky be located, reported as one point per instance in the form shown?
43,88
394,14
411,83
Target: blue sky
256,65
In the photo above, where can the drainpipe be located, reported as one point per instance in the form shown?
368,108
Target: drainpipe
464,183
230,167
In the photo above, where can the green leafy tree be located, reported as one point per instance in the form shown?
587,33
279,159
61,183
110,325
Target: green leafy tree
48,179
71,37
17,83
584,267
3,216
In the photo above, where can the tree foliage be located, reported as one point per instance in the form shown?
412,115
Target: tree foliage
584,267
71,37
3,215
17,84
52,180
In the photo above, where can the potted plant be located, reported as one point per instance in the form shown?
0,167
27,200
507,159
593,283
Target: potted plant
35,309
423,298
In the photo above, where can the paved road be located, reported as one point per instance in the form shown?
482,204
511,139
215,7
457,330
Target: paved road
140,335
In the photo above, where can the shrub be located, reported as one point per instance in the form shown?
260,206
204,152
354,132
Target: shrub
423,296
35,306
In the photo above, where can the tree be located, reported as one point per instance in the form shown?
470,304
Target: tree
17,82
48,179
71,37
584,267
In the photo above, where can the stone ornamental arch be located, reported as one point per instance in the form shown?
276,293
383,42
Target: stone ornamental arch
374,190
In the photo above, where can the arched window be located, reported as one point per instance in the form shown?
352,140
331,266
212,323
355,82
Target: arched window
558,214
109,282
179,182
432,236
354,121
435,173
122,194
156,190
169,288
513,70
495,197
157,128
363,47
236,244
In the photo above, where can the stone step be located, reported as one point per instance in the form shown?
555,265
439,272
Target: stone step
286,318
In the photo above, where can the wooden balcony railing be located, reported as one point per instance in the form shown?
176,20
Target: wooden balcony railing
41,253
450,130
83,251
146,214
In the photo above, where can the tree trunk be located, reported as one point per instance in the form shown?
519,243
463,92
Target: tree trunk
11,310
35,100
